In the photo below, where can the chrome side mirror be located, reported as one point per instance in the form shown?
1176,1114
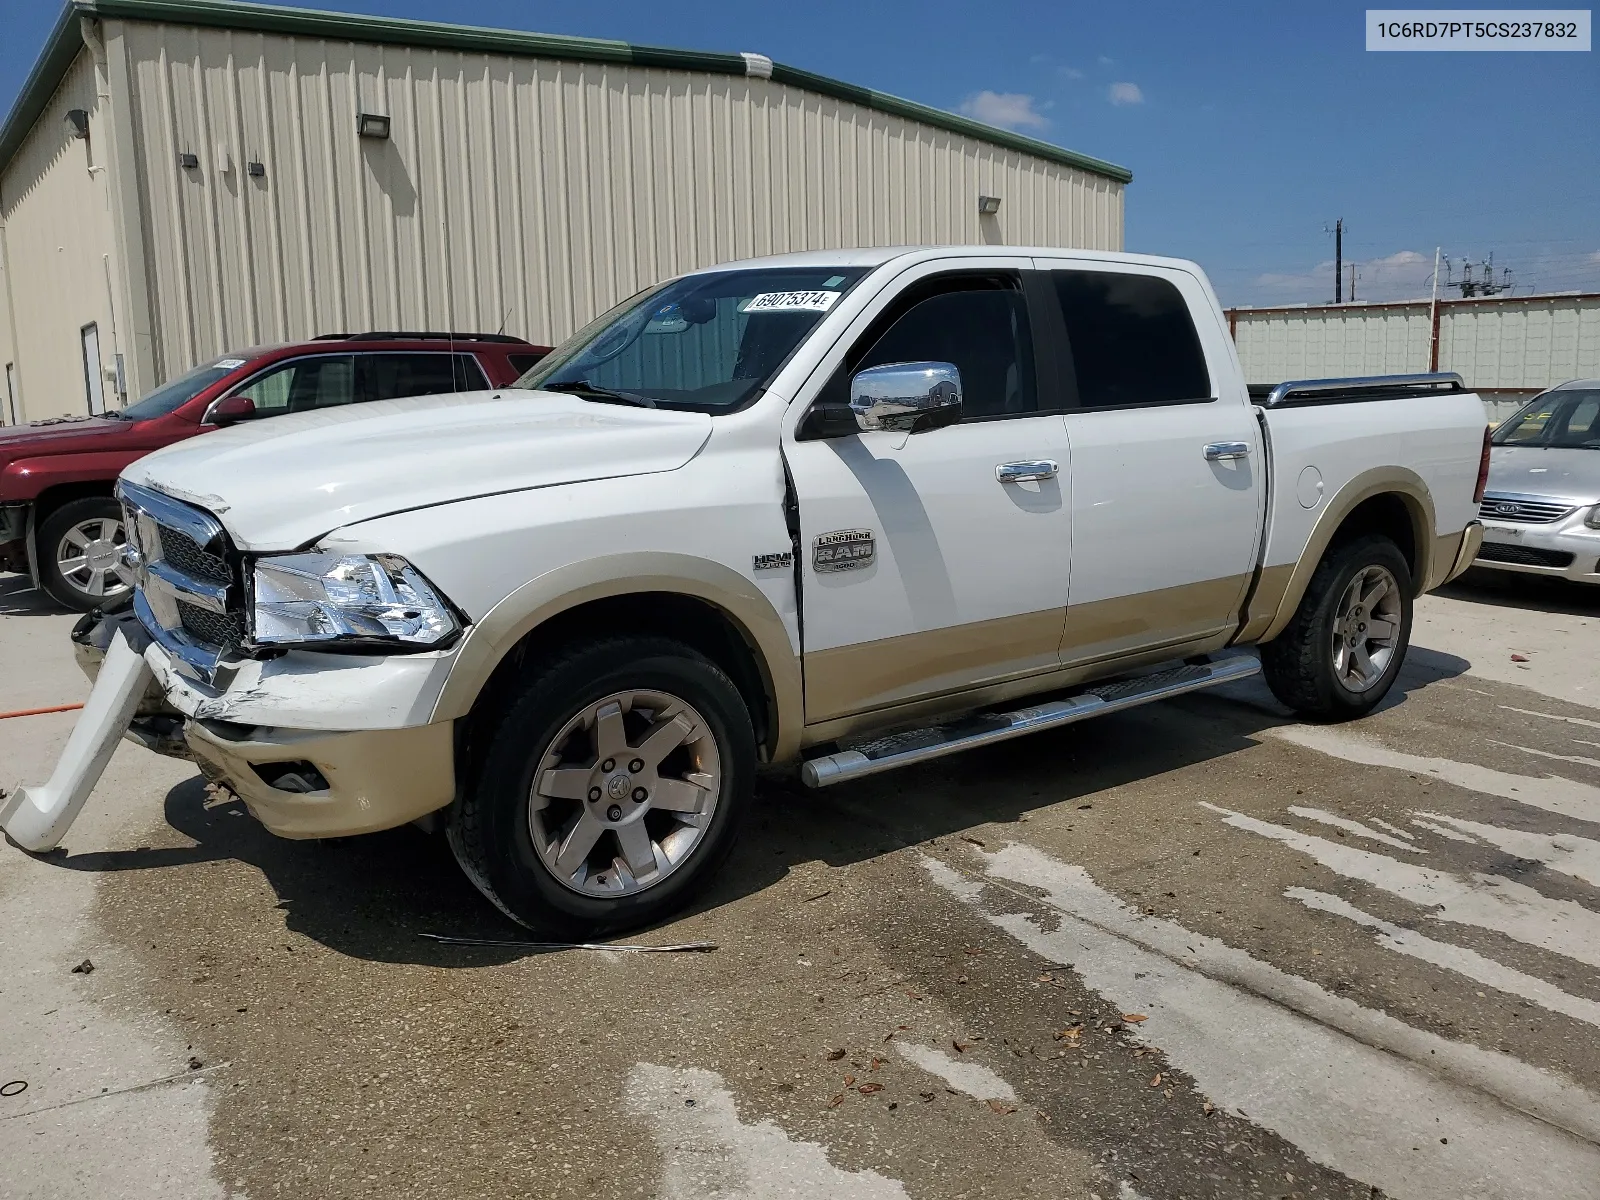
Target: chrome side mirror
911,396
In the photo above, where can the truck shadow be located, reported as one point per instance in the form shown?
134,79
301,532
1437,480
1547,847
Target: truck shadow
1534,593
374,897
19,598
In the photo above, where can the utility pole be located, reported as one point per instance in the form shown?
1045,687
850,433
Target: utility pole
1352,283
1338,261
1433,315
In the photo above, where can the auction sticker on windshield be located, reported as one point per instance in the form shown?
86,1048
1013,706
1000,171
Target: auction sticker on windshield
791,302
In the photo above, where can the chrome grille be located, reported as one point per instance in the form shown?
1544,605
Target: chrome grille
186,554
225,631
1528,510
187,596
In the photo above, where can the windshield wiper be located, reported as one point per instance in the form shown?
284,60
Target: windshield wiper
591,391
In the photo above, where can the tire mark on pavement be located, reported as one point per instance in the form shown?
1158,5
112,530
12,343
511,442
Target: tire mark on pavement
1485,901
1565,797
710,1154
1471,964
1354,1089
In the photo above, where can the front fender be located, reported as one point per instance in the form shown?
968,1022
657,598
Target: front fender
25,479
567,587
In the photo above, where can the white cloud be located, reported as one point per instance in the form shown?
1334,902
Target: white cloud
1125,93
1403,275
1107,62
1008,110
1069,72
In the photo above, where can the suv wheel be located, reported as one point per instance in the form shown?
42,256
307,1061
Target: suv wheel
613,788
80,554
1339,656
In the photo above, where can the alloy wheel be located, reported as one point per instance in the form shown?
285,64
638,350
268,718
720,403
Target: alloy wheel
1366,628
89,559
624,793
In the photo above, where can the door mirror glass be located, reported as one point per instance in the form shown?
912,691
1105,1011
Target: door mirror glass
912,396
230,410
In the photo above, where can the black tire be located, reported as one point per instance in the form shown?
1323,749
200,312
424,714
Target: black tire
1299,664
490,828
73,592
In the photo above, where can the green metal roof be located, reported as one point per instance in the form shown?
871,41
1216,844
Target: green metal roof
65,41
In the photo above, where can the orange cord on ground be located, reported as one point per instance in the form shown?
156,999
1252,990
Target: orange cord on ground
39,712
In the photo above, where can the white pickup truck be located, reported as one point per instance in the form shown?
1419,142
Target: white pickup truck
844,511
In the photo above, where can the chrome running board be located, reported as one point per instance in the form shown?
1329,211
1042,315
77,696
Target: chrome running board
980,729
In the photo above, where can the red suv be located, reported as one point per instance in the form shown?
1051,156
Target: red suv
57,516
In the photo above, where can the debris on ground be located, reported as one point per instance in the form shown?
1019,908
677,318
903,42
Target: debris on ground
194,1063
547,947
1001,1107
819,895
84,968
15,1088
835,1055
975,841
866,1089
1134,1018
1519,658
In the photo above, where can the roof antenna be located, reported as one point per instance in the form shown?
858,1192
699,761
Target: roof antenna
501,331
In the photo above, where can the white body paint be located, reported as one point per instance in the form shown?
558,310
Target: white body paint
38,817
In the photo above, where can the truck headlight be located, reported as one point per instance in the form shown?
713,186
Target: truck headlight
1592,517
354,598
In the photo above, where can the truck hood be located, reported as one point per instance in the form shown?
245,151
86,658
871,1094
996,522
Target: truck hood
281,483
57,435
1536,471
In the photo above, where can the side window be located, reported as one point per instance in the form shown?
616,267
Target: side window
1133,341
470,375
303,384
982,327
389,376
523,363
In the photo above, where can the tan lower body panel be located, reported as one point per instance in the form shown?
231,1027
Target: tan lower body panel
952,704
377,779
880,674
1128,624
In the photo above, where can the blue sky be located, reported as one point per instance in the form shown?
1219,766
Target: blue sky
1249,128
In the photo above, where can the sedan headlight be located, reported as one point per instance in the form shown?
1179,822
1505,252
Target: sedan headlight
354,598
1592,517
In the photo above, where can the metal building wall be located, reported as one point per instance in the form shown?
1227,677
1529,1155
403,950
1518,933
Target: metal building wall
522,193
1522,342
57,254
1311,343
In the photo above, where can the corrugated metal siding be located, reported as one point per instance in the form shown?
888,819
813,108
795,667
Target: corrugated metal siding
1313,345
57,230
1533,343
1519,343
521,192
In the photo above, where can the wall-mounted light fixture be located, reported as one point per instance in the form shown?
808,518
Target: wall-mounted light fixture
988,205
256,170
372,125
78,122
188,161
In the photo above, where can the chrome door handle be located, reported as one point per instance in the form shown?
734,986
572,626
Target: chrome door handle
1021,472
1218,451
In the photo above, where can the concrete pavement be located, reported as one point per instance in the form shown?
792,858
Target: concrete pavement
1196,949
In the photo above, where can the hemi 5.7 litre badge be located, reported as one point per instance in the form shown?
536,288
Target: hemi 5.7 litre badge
843,550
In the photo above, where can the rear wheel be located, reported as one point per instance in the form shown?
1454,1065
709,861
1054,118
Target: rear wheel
612,790
1339,656
80,554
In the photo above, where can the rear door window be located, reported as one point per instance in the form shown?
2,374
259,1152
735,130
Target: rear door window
1133,342
390,376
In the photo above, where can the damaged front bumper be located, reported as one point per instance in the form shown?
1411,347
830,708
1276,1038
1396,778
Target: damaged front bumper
277,732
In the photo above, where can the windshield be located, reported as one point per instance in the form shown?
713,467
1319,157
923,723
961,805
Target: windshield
177,392
1568,419
706,343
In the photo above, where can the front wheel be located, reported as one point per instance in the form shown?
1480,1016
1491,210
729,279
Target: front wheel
80,554
1339,656
612,789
